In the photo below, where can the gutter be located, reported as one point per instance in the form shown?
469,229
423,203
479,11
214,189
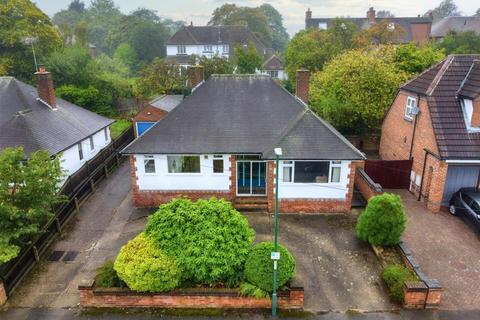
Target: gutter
463,161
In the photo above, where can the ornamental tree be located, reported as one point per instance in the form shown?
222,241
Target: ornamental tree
28,189
355,89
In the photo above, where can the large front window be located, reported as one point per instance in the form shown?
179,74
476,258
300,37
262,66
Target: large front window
311,171
183,164
181,50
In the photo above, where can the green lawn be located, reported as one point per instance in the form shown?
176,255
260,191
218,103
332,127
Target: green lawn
118,127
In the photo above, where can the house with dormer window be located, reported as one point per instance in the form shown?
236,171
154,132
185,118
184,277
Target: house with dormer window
435,121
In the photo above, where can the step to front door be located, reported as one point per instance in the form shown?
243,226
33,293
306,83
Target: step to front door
249,204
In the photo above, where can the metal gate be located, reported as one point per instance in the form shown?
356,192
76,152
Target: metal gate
390,174
459,177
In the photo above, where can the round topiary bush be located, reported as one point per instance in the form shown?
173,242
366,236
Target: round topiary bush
209,238
259,266
383,221
144,267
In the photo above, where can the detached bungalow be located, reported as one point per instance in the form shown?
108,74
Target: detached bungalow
220,142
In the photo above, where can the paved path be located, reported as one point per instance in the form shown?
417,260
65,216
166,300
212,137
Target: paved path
103,225
338,271
447,249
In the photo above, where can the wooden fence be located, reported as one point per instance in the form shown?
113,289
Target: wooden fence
390,174
77,188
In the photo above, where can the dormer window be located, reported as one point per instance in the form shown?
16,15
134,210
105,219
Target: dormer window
471,112
411,108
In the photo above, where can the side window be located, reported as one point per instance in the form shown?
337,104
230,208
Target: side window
475,207
217,163
467,199
149,163
80,151
410,108
336,171
287,171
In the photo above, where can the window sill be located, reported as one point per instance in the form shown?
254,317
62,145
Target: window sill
407,118
184,174
312,183
149,174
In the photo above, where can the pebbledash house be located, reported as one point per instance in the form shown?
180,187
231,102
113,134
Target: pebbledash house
220,140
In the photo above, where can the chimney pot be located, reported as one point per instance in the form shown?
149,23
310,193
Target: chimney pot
308,14
45,89
302,84
195,75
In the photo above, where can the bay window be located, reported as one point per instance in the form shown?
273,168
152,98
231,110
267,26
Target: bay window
183,164
311,171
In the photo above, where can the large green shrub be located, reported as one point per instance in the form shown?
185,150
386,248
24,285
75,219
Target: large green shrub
209,238
395,276
383,221
144,267
259,266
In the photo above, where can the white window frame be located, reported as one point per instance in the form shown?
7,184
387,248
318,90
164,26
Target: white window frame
181,49
288,164
225,49
91,143
81,156
273,73
147,159
332,164
185,173
411,104
207,48
105,133
217,157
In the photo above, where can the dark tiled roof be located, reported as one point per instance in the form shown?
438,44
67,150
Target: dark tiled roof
167,102
457,24
471,85
231,35
243,114
440,85
26,122
363,23
273,63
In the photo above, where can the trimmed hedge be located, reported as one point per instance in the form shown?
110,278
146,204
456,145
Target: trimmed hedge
395,276
107,277
209,239
259,266
383,221
145,268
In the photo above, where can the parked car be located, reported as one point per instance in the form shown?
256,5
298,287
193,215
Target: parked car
466,201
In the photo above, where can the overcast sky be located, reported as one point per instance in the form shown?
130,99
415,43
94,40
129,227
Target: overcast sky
293,11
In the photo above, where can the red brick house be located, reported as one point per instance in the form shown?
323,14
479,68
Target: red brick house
435,121
154,111
220,141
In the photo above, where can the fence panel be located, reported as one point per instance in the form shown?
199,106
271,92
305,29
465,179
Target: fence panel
76,189
390,174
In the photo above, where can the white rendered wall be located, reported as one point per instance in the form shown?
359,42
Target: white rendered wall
198,50
338,190
70,159
163,180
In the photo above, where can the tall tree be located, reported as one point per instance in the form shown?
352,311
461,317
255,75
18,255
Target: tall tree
467,42
70,16
477,13
28,189
214,65
102,16
254,18
385,14
446,8
22,23
160,77
384,32
247,59
81,33
279,33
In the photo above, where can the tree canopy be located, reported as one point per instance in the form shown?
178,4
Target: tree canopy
467,42
446,8
23,24
28,189
247,59
214,65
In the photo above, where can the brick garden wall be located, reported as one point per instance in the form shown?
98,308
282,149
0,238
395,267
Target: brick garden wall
90,296
367,188
3,294
396,141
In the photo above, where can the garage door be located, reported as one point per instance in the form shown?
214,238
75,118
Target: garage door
459,177
143,126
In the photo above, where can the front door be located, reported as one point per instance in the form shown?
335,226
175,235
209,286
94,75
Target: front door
251,178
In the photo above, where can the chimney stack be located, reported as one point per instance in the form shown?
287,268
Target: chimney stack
371,15
303,83
308,14
195,75
45,89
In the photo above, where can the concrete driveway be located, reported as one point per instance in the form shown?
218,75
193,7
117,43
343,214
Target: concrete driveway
106,222
338,271
447,249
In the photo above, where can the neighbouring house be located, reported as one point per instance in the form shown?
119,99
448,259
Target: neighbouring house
36,119
154,111
454,24
435,120
274,67
417,29
219,41
220,141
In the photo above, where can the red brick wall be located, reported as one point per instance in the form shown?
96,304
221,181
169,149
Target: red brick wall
421,32
223,299
148,114
415,295
365,188
45,89
396,141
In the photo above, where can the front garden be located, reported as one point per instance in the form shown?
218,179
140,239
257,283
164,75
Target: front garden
188,248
